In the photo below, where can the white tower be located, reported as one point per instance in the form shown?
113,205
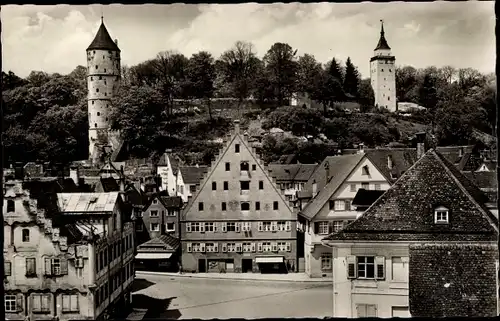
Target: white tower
383,74
103,79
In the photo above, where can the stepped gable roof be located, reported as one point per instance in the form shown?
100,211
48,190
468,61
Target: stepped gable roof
103,41
402,159
406,211
193,174
382,42
448,280
168,242
366,197
340,167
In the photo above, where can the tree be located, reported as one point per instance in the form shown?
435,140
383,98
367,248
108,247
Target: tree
10,81
366,95
238,66
351,79
37,78
308,70
406,83
281,68
201,76
428,92
335,70
300,121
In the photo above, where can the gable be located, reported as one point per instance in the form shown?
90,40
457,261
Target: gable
212,199
406,210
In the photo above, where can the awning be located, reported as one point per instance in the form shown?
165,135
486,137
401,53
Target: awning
269,259
153,256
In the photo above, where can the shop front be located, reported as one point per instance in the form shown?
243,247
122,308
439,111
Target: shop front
272,264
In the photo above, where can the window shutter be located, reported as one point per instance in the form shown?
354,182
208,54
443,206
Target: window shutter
216,247
259,247
260,227
224,247
48,266
202,247
45,302
351,267
288,247
188,227
19,303
36,304
253,247
316,227
64,267
237,226
202,227
224,227
189,247
288,226
74,302
275,246
380,265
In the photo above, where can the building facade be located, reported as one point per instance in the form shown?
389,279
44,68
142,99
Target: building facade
55,268
291,178
331,208
238,220
426,248
383,74
103,79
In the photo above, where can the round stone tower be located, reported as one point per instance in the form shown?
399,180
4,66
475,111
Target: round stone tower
103,79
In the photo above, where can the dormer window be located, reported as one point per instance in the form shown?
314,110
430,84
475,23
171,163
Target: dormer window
365,170
441,215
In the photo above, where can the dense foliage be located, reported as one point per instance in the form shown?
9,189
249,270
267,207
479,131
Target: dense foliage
172,101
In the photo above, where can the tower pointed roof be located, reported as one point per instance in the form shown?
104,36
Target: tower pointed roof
103,40
382,43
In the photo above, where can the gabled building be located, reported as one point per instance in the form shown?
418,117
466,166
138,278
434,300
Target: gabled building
238,220
335,183
426,248
188,177
167,168
291,178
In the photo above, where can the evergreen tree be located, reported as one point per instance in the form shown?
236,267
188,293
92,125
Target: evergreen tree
335,71
351,79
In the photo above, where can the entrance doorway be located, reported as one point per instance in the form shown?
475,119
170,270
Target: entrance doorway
201,266
246,265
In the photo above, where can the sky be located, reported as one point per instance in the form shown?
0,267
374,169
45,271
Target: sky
54,38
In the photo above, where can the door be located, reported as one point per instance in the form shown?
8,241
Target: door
246,265
401,312
201,266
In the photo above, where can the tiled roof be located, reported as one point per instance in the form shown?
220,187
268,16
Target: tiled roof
292,172
405,211
451,280
171,201
107,184
402,159
87,202
366,197
170,243
382,42
483,179
193,174
339,169
454,154
103,40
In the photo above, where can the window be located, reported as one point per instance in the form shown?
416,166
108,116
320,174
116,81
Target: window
11,206
366,267
95,125
254,167
231,227
30,266
192,188
282,246
353,187
323,228
257,206
326,262
97,90
266,226
195,227
365,170
236,148
211,247
170,226
275,205
226,186
98,114
104,69
56,266
223,206
91,78
245,185
40,303
92,102
266,247
377,187
247,247
365,185
441,215
155,227
382,70
339,205
228,167
155,201
337,225
26,235
399,269
153,213
244,166
96,67
105,94
245,206
366,310
10,303
261,185
388,97
7,268
209,227
100,77
231,247
200,206
214,186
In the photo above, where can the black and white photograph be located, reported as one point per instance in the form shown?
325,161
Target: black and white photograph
251,160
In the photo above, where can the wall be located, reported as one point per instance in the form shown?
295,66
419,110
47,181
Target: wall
385,294
148,219
383,79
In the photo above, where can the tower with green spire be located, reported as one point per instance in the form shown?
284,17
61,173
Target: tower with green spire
383,74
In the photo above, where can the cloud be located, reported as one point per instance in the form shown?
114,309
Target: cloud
54,38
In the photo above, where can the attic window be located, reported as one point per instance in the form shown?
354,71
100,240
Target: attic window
254,167
441,215
244,166
365,170
237,148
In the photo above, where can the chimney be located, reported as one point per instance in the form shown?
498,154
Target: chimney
237,126
74,174
420,144
361,148
116,41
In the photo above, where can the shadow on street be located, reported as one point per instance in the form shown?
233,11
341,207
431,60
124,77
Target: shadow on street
141,284
157,308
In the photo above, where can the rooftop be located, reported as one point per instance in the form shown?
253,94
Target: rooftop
87,202
103,41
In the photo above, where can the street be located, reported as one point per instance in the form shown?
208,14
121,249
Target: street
181,298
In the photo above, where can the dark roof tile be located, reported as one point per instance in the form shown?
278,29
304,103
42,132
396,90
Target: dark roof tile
193,174
366,197
103,41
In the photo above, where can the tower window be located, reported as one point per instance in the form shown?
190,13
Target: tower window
382,70
105,82
103,57
106,118
11,206
92,102
100,77
97,90
105,94
95,125
104,69
384,79
390,70
98,114
93,51
91,78
26,235
388,98
96,66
